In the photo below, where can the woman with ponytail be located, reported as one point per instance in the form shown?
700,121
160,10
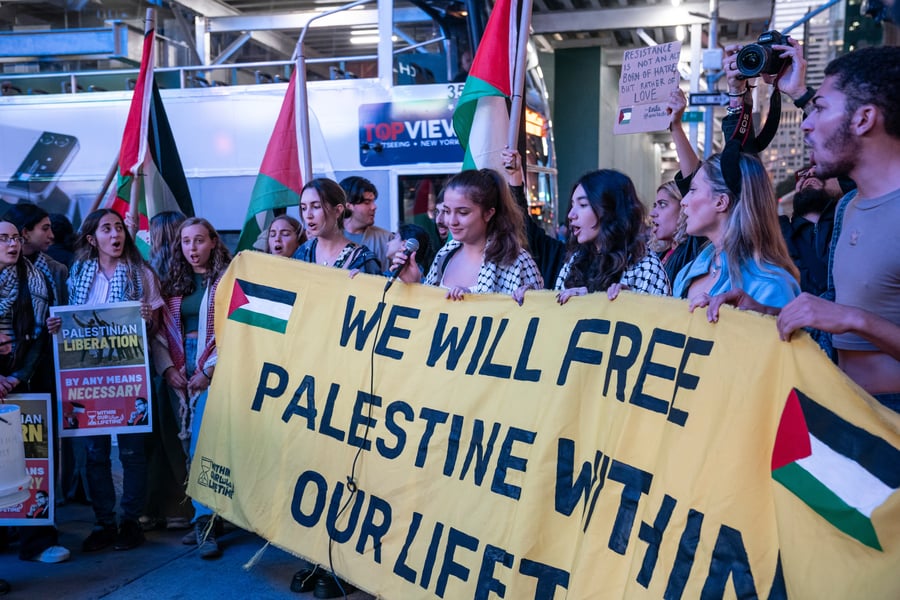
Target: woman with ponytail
488,251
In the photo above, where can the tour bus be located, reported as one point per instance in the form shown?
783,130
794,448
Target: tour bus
386,116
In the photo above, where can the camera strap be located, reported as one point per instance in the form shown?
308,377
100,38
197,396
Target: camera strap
742,140
772,120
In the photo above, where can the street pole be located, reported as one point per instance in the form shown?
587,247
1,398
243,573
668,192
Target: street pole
711,78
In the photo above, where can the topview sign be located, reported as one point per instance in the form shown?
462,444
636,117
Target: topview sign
407,133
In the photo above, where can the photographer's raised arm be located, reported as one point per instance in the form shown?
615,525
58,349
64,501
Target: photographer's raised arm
793,78
688,161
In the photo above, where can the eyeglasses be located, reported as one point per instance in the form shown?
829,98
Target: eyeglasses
9,240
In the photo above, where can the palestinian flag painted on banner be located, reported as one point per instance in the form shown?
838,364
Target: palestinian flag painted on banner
260,305
148,147
481,118
625,116
839,470
279,181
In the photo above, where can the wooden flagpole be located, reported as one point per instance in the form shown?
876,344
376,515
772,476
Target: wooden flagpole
106,182
137,182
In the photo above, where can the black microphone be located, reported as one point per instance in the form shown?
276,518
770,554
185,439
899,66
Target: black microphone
411,245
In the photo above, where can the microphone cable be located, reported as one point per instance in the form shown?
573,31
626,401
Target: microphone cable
352,486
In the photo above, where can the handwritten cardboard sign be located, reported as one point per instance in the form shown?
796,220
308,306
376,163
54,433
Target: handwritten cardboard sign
648,76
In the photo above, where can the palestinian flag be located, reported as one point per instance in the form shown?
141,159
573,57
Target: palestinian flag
481,118
260,305
279,181
149,151
625,116
839,470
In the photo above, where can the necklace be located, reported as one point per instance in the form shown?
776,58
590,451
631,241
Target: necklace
320,254
715,264
330,258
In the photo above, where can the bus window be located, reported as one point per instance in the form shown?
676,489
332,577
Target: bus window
417,195
433,41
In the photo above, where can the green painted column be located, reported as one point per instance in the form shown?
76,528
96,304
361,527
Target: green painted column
576,117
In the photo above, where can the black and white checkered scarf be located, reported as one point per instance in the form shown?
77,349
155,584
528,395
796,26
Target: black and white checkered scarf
126,283
37,285
40,263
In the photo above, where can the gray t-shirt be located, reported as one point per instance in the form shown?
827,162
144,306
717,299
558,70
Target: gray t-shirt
375,239
867,263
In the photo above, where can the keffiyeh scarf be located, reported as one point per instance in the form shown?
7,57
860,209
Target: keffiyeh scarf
206,346
126,283
40,263
37,285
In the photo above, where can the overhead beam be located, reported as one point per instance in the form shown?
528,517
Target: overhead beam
661,15
299,19
213,8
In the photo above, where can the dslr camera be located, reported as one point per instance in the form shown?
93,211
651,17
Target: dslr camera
760,59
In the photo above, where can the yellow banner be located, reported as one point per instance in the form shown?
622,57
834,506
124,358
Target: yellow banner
480,449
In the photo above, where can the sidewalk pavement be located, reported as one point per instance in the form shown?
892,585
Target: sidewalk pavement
161,568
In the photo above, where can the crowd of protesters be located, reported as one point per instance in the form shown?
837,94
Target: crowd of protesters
712,237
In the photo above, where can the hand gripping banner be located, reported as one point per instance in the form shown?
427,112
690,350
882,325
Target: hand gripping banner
481,449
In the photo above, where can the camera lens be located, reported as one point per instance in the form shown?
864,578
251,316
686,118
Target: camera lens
751,60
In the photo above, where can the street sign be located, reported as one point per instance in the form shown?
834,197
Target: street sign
709,99
692,116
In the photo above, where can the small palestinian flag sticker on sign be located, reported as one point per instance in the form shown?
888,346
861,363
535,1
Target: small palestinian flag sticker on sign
839,470
624,116
260,305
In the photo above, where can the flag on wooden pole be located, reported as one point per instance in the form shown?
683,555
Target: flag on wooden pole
280,180
149,153
481,118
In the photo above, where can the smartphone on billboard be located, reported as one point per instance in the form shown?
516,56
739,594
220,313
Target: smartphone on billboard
32,161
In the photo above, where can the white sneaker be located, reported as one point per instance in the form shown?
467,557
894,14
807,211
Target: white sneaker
54,554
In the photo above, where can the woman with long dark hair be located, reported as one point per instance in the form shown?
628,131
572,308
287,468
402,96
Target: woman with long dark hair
167,506
164,228
109,268
24,301
607,249
35,229
25,297
188,361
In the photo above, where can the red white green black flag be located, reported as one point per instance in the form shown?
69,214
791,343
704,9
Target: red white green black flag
280,180
148,151
481,118
839,470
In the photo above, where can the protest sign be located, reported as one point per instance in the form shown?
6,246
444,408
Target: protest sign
103,369
37,434
430,448
649,75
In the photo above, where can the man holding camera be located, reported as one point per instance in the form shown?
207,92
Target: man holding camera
852,128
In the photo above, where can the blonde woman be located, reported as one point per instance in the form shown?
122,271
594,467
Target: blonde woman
745,249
